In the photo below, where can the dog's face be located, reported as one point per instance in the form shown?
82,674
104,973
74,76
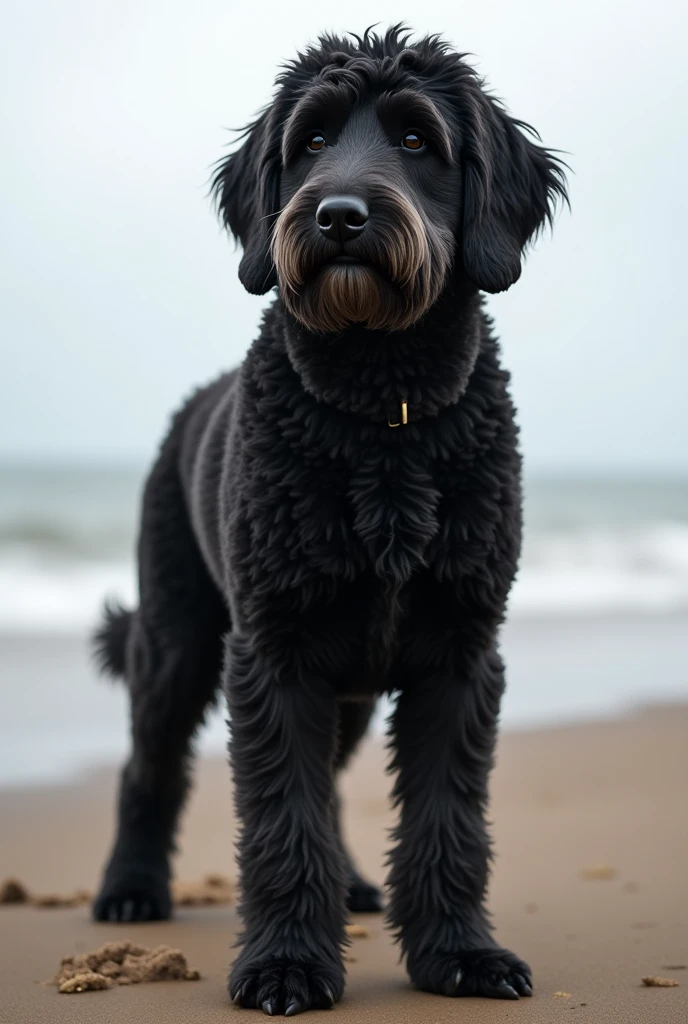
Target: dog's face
379,170
368,208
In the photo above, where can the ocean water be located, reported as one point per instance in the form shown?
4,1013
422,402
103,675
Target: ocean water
598,618
67,537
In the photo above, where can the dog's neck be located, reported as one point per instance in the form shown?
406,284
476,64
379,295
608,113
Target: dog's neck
371,373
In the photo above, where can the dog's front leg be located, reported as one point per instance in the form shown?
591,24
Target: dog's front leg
444,730
292,872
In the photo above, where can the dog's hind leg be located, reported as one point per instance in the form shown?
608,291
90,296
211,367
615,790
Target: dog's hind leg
171,658
353,720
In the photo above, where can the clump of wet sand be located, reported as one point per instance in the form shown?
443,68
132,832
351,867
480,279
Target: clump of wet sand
211,890
121,963
57,900
13,891
89,981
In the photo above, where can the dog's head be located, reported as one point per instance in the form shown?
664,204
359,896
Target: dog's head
379,166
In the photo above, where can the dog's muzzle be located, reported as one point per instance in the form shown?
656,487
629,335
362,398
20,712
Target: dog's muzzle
344,259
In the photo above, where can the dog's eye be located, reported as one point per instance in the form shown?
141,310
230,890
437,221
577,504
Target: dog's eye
316,141
413,140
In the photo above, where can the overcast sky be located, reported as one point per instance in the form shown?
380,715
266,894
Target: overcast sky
118,293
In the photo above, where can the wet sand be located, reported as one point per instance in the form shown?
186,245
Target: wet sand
564,799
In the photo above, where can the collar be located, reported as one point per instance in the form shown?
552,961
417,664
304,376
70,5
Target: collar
392,379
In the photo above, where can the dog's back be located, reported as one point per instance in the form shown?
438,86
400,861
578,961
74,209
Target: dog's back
182,492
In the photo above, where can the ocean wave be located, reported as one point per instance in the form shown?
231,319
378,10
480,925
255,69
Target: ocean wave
603,569
596,570
56,595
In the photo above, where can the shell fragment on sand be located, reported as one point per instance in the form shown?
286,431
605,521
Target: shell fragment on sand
599,873
357,931
650,981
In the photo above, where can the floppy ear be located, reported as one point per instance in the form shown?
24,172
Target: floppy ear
245,187
511,186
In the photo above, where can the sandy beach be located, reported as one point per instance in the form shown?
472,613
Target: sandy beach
564,800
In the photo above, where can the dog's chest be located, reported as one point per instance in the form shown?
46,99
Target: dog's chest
377,511
395,511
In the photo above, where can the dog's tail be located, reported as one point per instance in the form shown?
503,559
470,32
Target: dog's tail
110,639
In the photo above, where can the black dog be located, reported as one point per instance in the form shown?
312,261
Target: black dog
340,518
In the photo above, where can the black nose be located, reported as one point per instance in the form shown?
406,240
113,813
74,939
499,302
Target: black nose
342,217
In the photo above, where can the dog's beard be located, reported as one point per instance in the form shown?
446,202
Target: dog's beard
348,294
402,271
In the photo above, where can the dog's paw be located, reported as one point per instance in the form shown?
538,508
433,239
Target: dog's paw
363,897
494,973
134,893
277,985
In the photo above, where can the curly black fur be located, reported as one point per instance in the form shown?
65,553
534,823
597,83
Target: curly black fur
301,551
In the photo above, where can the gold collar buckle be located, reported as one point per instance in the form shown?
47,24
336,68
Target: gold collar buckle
404,417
